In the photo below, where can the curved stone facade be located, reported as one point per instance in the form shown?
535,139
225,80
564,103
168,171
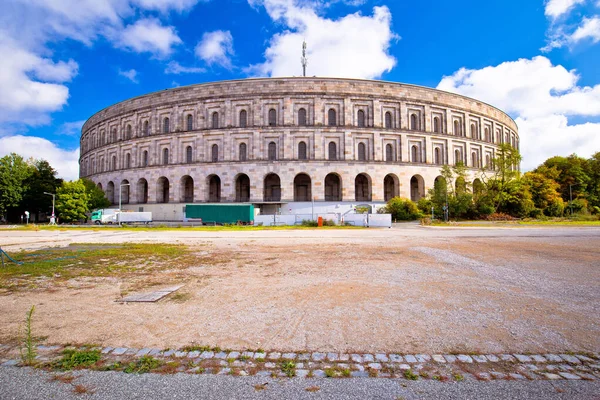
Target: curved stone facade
287,140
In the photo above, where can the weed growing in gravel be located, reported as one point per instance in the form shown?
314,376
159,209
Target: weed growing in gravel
329,372
458,377
72,359
288,368
116,366
142,366
312,389
195,347
408,374
28,352
259,387
260,360
81,389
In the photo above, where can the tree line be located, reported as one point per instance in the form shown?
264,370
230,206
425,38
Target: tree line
559,187
23,184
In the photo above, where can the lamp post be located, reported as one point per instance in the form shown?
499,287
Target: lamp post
120,195
571,197
52,217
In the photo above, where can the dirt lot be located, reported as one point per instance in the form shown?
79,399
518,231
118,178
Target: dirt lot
409,292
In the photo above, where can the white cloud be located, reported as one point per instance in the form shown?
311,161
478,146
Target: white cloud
541,97
148,35
216,48
166,5
66,162
175,68
354,46
589,28
130,74
557,8
70,128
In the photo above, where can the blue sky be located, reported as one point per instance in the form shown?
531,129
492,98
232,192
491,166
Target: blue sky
64,60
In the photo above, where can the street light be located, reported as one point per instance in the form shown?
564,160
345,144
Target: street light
571,197
52,218
120,195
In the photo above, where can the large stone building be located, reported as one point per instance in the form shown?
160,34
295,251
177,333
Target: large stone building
281,142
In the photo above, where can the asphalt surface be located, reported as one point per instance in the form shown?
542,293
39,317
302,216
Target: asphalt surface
25,383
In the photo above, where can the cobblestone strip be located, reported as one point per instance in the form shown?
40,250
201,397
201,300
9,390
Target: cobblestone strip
441,367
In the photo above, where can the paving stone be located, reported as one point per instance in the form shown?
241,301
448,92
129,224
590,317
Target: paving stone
374,366
522,358
359,367
422,358
570,359
552,376
368,358
357,358
119,351
181,354
582,368
259,355
154,352
450,358
507,357
340,365
302,373
531,367
492,357
344,357
480,358
107,350
221,355
570,376
143,352
538,358
359,374
384,375
194,370
381,357
270,365
550,367
410,358
584,358
238,364
464,358
318,356
438,358
263,373
233,354
223,363
333,356
168,353
498,375
404,366
247,354
193,354
594,366
300,365
586,376
242,373
224,371
10,363
319,373
289,356
516,376
304,357
397,358
131,352
207,355
483,376
565,367
553,358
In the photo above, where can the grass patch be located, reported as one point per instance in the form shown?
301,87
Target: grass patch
73,359
288,368
142,366
408,374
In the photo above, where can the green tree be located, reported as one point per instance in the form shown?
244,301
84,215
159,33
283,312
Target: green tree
402,209
14,174
42,179
97,199
502,181
571,173
72,201
544,193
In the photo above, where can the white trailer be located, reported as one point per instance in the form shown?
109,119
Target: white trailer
126,217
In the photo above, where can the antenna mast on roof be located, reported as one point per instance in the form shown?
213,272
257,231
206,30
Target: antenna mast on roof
304,60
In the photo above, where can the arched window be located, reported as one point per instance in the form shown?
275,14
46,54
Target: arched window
302,117
272,151
332,117
302,151
114,134
362,152
488,162
474,160
361,119
215,120
243,119
389,152
388,120
457,157
243,152
486,132
145,158
128,160
166,125
190,122
215,153
188,154
414,122
146,129
165,156
332,150
437,156
456,128
474,131
114,163
128,132
272,117
414,150
436,125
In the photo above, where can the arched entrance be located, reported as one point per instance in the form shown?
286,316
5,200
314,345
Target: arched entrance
242,188
362,188
417,188
272,188
187,189
333,188
124,188
477,188
391,187
110,192
162,190
302,188
142,191
214,189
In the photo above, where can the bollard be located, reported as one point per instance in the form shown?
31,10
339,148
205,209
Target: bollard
320,221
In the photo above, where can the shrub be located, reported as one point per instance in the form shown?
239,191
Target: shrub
309,223
403,209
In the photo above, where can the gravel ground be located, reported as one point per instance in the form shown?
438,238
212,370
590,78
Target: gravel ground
24,384
405,290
